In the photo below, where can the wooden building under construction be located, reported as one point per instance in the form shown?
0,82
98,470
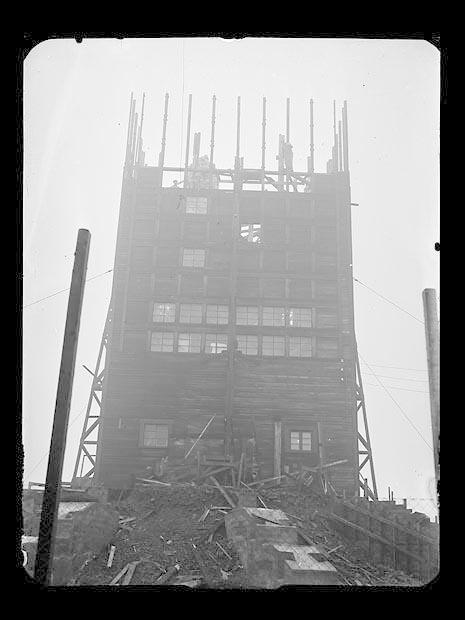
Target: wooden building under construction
232,315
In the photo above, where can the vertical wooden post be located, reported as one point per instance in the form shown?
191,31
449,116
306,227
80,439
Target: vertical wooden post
432,355
46,540
212,133
277,448
263,141
188,137
345,142
312,146
161,158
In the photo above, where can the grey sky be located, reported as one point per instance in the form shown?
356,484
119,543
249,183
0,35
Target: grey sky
76,100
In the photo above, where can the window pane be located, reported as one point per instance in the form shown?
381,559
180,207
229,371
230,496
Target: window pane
196,204
251,232
164,313
156,435
248,345
162,341
300,347
247,315
193,258
273,316
190,313
273,345
189,343
300,317
216,343
217,315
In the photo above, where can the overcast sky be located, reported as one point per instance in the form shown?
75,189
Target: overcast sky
76,101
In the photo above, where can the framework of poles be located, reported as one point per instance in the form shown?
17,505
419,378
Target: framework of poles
283,179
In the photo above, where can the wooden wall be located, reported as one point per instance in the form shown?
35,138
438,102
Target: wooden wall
303,260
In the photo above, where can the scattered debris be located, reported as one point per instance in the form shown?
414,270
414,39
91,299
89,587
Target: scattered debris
111,556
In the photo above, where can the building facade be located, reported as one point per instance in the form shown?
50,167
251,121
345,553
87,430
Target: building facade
232,305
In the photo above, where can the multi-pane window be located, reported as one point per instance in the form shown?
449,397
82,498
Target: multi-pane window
247,315
196,204
216,343
300,346
248,345
217,315
300,317
273,316
301,441
273,345
162,341
189,343
193,258
190,313
251,232
164,313
155,436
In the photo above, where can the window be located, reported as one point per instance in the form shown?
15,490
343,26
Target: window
162,342
300,289
193,258
164,313
216,343
217,315
166,283
189,343
301,441
196,205
247,315
273,345
300,347
300,317
251,232
248,345
273,317
155,435
190,313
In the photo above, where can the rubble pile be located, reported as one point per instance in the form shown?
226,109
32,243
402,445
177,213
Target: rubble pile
175,534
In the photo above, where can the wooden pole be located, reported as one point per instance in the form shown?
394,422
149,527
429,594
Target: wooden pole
46,539
277,448
161,158
312,146
345,141
212,138
189,114
263,141
432,356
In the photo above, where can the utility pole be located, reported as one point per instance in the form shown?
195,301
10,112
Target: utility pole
46,540
432,355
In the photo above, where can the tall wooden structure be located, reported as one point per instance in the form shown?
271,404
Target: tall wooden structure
232,299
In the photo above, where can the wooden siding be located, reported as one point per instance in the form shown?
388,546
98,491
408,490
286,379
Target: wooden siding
303,260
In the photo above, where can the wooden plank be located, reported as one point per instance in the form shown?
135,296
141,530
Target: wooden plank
115,580
130,573
277,447
111,556
223,492
375,536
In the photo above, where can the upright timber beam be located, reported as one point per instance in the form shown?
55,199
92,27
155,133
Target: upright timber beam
364,438
277,448
86,458
46,540
432,355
